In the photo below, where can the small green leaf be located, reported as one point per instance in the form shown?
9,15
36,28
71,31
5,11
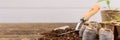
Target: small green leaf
111,19
108,3
100,0
118,17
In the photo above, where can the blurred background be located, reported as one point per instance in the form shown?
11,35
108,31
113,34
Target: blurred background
17,11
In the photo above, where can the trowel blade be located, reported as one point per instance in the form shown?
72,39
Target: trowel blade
62,27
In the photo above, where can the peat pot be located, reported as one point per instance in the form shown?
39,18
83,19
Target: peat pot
108,15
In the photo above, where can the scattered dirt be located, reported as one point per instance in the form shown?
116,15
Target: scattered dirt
52,35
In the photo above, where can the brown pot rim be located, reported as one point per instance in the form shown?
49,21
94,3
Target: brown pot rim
110,10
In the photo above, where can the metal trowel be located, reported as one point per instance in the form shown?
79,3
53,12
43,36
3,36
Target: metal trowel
91,12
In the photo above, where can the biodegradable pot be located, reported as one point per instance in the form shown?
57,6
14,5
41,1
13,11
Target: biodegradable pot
108,15
113,28
108,25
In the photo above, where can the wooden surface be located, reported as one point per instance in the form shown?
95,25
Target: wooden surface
27,31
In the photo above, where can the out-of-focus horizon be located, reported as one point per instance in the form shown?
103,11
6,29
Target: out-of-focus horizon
48,10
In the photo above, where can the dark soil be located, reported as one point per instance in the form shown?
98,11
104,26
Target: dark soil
52,35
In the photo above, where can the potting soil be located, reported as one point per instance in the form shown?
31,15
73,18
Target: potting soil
52,35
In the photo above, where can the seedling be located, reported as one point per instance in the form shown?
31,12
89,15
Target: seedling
107,3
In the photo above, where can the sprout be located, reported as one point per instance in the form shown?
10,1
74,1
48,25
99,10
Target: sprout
107,2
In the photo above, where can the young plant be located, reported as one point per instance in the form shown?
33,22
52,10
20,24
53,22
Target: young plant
107,3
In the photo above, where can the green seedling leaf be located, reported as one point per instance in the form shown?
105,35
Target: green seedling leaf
100,0
108,3
111,19
118,17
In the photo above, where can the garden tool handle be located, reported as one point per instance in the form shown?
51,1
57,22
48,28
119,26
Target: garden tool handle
86,17
93,11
